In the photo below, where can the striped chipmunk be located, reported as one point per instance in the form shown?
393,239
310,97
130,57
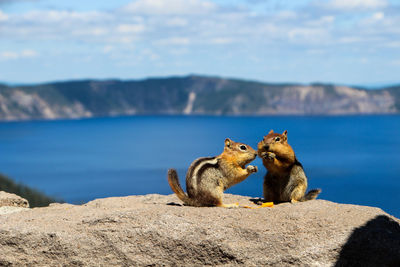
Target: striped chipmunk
285,180
208,177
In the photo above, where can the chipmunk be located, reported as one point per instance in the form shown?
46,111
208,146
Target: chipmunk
207,178
285,180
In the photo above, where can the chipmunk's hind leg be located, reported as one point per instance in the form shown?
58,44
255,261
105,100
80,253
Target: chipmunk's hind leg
219,193
297,185
210,195
298,193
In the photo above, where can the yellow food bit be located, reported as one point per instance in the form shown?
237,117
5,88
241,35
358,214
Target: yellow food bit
267,204
263,205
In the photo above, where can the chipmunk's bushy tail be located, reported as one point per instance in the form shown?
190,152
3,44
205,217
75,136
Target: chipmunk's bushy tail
312,194
176,187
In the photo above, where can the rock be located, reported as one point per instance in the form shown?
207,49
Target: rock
8,209
151,230
12,200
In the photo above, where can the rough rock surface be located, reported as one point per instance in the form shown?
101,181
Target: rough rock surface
12,200
146,231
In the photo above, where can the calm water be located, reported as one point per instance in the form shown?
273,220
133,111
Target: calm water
353,159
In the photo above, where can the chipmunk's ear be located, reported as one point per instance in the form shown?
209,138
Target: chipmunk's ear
285,134
228,142
270,132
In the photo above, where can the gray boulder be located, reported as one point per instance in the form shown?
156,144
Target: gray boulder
154,230
12,200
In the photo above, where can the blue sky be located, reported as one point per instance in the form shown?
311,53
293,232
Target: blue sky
340,41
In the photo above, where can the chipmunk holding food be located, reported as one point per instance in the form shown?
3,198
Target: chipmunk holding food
207,178
285,179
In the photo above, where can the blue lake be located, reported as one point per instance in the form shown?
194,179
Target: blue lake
353,159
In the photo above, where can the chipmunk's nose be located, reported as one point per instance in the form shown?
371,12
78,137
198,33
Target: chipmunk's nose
266,147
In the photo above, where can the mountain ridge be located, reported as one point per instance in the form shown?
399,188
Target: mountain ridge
190,95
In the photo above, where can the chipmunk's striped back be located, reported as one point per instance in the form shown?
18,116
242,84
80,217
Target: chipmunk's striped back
193,176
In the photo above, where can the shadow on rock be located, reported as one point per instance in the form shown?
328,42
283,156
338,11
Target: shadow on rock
257,201
174,204
377,243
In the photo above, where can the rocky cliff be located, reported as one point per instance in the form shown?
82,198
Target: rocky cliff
189,95
152,230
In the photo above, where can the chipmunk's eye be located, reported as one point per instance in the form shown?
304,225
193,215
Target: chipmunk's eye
242,147
277,139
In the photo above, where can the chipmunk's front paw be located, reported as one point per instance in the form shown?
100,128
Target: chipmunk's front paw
270,155
252,168
267,155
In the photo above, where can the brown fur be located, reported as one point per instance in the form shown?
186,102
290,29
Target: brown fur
285,180
208,178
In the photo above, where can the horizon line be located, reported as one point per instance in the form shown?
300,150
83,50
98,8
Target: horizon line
374,85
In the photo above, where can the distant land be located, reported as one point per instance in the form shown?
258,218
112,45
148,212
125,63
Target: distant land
190,95
34,197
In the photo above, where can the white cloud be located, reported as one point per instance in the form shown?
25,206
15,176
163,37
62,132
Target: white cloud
308,35
287,14
356,4
56,25
393,44
170,7
3,16
12,55
187,24
395,62
322,21
8,55
174,41
375,18
222,40
84,32
190,22
176,22
378,15
349,40
130,28
62,16
28,53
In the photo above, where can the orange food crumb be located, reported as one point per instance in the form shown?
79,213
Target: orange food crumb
263,205
267,204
